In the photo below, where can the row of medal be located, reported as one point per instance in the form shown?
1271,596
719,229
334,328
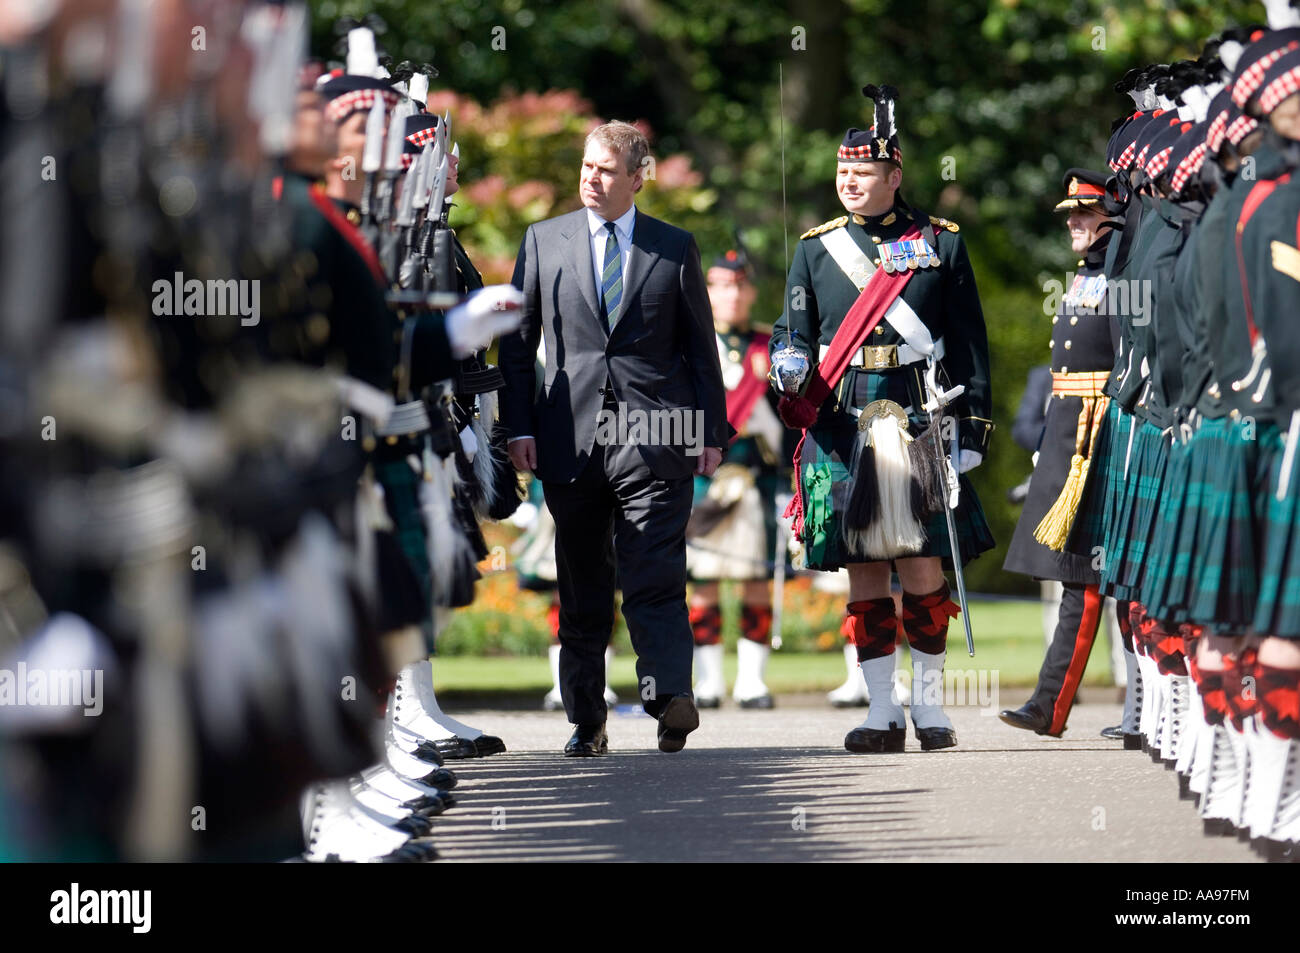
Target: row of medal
907,255
1085,292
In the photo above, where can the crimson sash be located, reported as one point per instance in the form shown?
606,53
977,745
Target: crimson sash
881,290
742,399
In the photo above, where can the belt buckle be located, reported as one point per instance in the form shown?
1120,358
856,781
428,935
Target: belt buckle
879,357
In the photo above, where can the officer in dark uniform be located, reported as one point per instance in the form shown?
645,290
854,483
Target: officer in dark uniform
1045,544
937,317
733,524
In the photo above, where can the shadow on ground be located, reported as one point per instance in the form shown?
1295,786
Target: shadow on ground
733,805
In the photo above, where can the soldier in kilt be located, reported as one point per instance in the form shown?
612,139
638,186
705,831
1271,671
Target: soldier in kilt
1050,542
1269,270
866,442
732,530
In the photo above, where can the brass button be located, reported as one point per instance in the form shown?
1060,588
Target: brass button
1067,345
1052,343
879,329
1074,320
1057,318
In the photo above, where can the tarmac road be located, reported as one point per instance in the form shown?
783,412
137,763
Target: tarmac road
778,785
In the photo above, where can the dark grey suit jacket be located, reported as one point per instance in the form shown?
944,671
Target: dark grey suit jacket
661,355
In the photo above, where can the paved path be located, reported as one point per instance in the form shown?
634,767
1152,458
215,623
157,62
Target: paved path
778,786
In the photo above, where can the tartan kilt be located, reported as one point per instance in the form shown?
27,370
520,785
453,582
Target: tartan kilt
1277,611
826,455
1089,529
1119,424
757,565
1140,493
1181,558
1225,560
401,487
1169,514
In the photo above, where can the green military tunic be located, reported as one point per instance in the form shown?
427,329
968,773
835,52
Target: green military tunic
1270,246
945,299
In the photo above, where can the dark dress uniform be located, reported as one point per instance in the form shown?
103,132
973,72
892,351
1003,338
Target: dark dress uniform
818,295
1084,344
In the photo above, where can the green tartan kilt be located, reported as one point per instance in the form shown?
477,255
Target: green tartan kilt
768,482
1089,529
402,501
1139,493
825,482
1181,533
1277,611
1225,555
1171,510
1118,426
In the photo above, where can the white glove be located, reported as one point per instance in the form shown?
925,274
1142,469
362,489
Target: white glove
490,311
968,460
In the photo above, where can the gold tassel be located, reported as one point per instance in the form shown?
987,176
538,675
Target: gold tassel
1053,531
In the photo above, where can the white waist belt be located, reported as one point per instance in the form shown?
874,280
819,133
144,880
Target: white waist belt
906,354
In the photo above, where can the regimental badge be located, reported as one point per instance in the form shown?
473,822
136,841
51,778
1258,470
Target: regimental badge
1074,187
907,256
883,146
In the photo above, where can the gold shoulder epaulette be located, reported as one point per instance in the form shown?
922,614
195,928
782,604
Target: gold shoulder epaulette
951,226
826,227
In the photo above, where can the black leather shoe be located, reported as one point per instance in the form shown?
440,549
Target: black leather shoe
1133,742
891,740
1028,717
485,745
708,703
934,739
587,741
762,702
1114,733
443,779
428,751
678,719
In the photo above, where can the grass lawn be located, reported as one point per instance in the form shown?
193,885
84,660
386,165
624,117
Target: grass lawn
1008,640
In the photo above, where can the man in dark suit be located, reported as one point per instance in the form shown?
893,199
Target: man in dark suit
621,301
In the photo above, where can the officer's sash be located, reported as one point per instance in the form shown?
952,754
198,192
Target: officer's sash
742,398
880,291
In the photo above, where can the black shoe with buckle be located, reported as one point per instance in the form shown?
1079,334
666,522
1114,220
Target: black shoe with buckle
891,740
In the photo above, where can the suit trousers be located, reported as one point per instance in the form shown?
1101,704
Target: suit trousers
1067,656
617,526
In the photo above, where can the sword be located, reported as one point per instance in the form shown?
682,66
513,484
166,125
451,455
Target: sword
938,400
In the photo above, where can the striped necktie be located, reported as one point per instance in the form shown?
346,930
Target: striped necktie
611,277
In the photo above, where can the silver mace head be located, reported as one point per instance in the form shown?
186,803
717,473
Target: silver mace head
790,371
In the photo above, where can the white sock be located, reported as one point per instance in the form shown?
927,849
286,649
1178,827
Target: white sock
854,688
610,697
708,669
927,690
751,664
878,674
